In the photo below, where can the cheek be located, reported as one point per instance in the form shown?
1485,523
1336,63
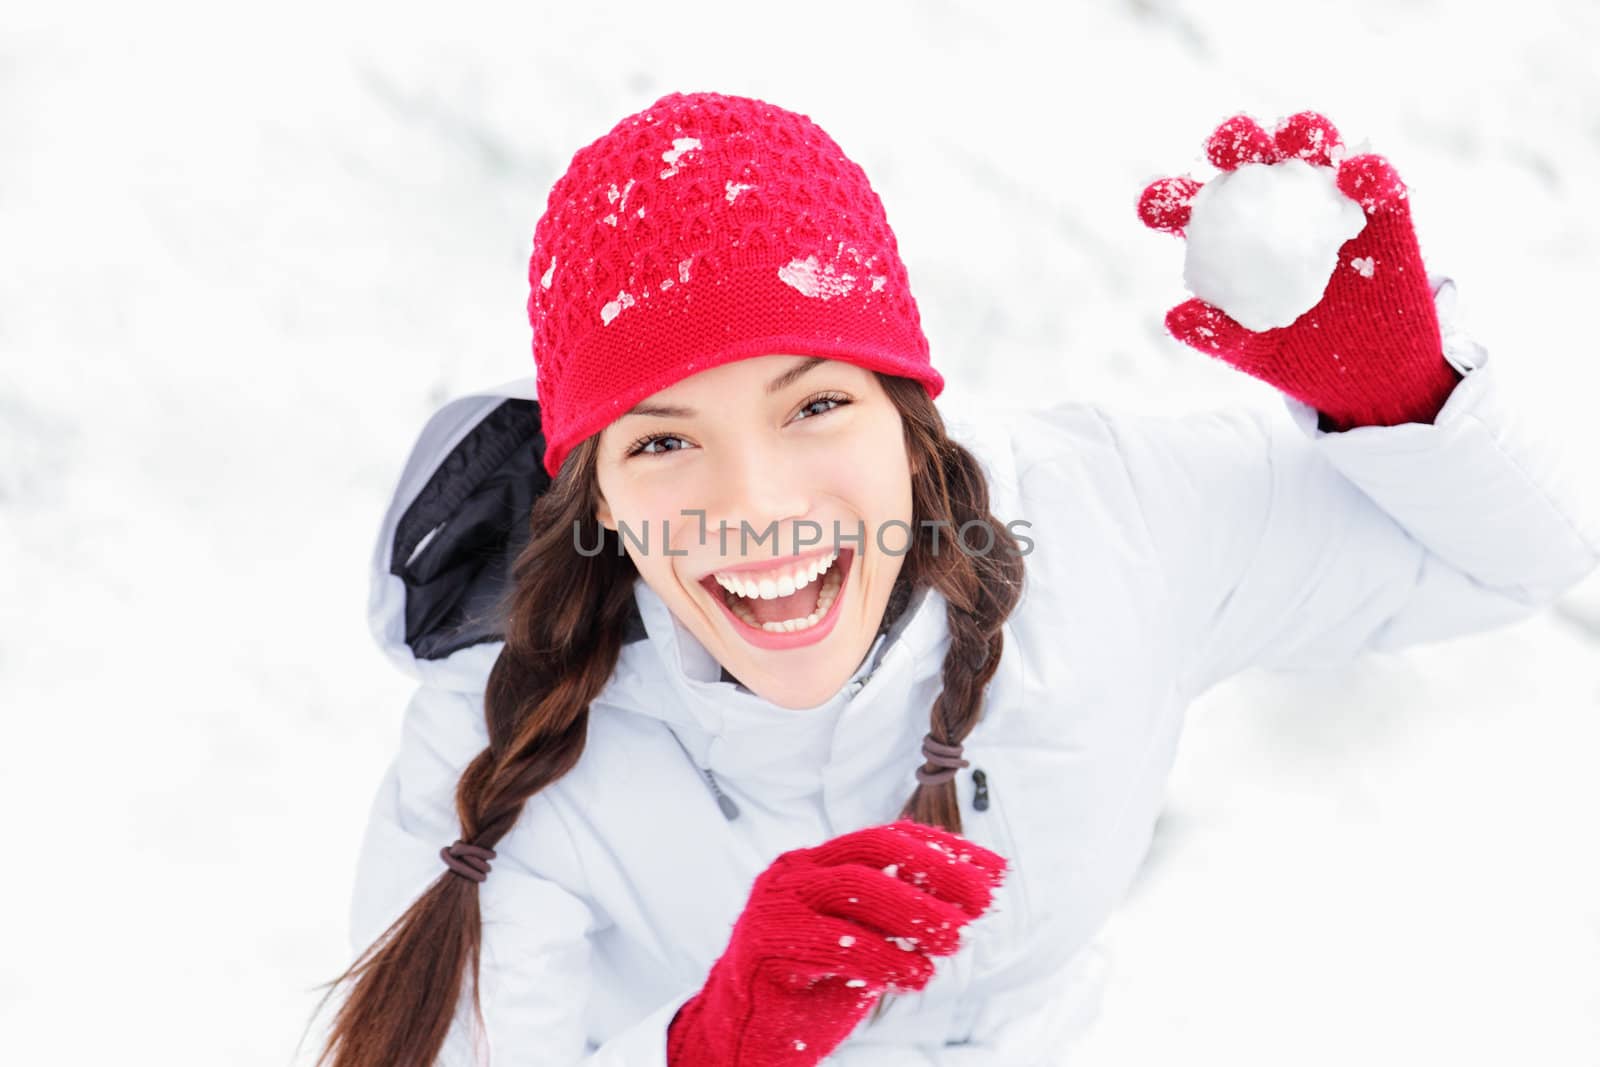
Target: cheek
651,514
891,501
645,501
887,477
877,488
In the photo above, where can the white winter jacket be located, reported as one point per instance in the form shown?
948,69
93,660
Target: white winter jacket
1169,552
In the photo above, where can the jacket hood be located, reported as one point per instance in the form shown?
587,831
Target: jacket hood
450,533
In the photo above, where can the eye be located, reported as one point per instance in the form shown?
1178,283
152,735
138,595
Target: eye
650,444
833,400
642,445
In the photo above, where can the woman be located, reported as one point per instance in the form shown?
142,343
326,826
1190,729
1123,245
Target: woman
768,713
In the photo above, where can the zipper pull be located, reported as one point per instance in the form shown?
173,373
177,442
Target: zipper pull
980,795
730,810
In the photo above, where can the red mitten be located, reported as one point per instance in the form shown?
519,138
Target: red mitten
1369,352
825,932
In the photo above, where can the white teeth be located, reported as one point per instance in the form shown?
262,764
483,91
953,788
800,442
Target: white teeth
771,586
825,599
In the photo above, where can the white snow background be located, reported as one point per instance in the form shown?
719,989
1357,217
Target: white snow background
245,250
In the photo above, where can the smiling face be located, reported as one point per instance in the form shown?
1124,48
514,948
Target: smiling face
792,456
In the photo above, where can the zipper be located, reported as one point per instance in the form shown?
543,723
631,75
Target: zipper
965,1010
730,810
1005,843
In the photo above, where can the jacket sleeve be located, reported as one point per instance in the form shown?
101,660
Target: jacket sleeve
1282,545
534,972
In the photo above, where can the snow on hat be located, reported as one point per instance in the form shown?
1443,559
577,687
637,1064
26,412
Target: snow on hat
702,230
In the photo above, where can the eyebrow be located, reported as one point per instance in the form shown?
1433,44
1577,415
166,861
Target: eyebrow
778,384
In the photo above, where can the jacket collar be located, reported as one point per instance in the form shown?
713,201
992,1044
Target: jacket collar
770,751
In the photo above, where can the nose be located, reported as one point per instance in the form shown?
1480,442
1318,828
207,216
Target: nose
764,485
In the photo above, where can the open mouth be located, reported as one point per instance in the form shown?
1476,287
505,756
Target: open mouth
786,605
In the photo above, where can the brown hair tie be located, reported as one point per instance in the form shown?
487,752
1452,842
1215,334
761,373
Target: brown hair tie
469,861
946,757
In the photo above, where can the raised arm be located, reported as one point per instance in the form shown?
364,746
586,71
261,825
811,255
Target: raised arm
1282,544
1408,498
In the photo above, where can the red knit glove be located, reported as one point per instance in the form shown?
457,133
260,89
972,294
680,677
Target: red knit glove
826,931
1369,352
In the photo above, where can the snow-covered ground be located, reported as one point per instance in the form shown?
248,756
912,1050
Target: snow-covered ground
245,253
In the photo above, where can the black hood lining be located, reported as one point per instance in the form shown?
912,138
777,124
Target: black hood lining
454,545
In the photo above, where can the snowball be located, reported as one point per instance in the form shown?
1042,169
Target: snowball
1264,239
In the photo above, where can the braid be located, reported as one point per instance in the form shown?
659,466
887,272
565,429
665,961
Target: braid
536,703
565,616
981,586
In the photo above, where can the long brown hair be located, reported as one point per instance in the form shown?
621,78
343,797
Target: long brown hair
564,618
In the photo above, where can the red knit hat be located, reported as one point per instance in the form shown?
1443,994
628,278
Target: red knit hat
702,230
